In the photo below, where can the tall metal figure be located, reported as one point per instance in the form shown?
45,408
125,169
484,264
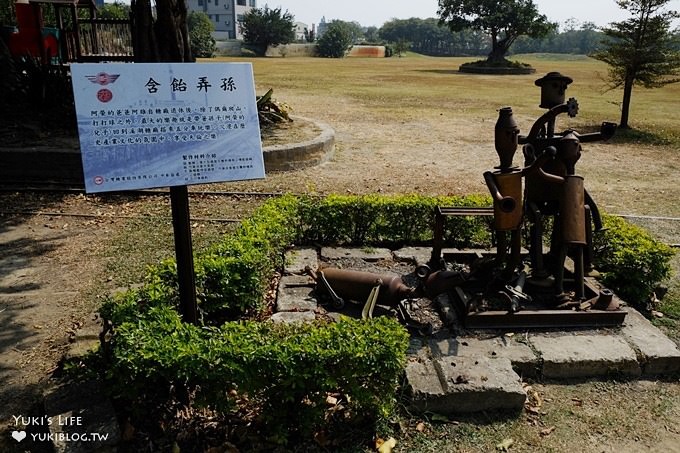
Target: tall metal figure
546,191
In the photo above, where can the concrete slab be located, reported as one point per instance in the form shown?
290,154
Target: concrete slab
579,356
86,339
292,317
414,255
657,353
426,388
295,294
523,359
299,258
366,253
418,348
464,384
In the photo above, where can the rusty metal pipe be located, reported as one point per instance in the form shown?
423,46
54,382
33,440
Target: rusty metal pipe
514,295
607,131
573,215
441,282
548,116
504,203
357,285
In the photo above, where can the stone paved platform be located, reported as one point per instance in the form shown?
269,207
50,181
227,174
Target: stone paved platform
484,370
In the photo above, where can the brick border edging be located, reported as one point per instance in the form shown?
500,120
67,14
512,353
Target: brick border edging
296,156
490,70
39,165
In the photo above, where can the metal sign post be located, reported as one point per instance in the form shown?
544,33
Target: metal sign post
179,200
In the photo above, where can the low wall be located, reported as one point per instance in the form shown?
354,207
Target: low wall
295,156
367,51
496,70
292,50
230,48
40,166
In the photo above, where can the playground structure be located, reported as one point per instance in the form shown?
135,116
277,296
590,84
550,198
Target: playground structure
78,35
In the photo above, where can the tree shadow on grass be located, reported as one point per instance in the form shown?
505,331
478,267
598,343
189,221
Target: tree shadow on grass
441,71
643,137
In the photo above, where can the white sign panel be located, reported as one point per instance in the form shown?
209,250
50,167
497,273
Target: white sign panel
144,125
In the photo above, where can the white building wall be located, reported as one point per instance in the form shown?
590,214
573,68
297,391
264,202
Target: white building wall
224,14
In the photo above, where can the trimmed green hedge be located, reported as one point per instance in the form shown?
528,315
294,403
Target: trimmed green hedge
632,262
232,277
289,369
389,219
286,371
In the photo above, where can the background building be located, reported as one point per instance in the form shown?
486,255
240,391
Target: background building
321,29
224,14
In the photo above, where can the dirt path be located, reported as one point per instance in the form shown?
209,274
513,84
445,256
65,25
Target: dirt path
47,267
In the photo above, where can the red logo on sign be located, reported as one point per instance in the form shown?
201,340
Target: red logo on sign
104,95
98,180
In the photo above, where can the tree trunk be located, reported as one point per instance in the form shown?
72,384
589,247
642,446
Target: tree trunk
499,48
497,55
143,36
625,105
171,30
167,38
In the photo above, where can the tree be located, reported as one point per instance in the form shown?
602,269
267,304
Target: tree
371,34
7,16
115,10
579,39
200,34
401,46
336,40
161,37
503,20
266,27
428,37
356,31
640,50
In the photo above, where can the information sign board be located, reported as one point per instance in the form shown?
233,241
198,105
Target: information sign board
144,125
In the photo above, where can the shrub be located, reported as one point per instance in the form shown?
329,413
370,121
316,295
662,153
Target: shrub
336,40
389,220
632,262
287,371
200,35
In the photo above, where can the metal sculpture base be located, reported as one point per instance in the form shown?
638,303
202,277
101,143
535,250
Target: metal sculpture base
601,308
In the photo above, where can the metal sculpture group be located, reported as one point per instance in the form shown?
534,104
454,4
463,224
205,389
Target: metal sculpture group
552,189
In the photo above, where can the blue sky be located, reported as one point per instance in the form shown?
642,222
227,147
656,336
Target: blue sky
377,12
